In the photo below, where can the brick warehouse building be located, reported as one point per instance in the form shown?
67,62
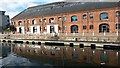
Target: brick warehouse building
69,17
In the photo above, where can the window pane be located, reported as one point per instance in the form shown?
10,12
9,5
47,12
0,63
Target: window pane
64,18
59,18
91,16
34,21
20,23
103,16
84,16
117,26
44,19
40,20
84,26
91,26
73,18
51,20
117,13
74,29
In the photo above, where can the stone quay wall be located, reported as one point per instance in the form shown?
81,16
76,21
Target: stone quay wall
105,37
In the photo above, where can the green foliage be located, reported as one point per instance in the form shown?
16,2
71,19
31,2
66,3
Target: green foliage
7,28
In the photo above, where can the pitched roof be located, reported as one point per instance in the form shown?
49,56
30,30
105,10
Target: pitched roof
61,8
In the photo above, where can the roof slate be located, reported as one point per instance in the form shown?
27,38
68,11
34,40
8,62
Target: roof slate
66,7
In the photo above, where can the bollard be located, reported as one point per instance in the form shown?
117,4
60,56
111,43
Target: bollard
33,42
4,40
93,46
27,42
71,45
9,41
81,45
39,43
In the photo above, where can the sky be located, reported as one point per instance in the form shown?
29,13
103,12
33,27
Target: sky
13,7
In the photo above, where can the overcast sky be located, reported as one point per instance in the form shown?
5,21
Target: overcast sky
13,7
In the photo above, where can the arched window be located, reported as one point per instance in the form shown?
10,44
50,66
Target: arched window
103,28
103,16
73,18
34,21
20,23
74,29
117,13
84,16
51,20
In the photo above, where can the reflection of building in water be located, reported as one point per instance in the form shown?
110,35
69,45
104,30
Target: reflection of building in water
86,55
6,50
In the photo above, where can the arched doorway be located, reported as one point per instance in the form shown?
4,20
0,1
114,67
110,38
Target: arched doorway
103,28
74,29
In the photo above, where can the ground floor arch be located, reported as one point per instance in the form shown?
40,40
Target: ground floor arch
74,29
104,28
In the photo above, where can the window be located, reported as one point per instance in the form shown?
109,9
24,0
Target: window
117,26
60,27
74,29
13,23
34,21
117,13
91,16
64,18
91,26
40,28
20,30
52,29
84,26
8,21
20,23
40,20
34,29
103,28
45,28
73,18
103,16
59,18
84,16
44,19
51,20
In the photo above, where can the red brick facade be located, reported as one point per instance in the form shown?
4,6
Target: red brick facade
112,20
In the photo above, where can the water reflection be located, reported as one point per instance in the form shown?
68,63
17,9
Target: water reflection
61,55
